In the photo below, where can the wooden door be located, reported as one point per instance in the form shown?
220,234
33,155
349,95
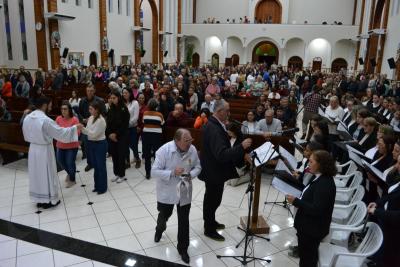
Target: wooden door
235,60
317,64
195,60
269,11
338,64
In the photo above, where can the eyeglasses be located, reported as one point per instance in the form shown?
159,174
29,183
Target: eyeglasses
64,108
188,141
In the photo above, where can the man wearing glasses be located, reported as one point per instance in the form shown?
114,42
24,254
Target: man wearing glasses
176,164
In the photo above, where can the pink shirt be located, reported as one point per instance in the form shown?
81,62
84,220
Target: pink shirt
65,123
213,89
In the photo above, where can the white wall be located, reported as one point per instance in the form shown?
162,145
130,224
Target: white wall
119,31
392,43
317,11
345,49
82,33
235,46
319,48
213,45
147,35
294,47
16,36
221,10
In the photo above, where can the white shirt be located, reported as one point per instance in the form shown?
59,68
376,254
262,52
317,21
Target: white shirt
133,108
95,131
173,189
333,114
74,102
209,106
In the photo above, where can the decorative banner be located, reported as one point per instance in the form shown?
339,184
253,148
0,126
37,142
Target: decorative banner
55,39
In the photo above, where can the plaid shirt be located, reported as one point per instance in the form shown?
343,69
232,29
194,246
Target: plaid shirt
311,102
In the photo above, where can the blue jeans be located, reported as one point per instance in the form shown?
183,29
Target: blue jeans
66,158
98,152
133,142
87,148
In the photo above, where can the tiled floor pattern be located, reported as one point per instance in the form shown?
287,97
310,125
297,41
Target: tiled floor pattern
125,218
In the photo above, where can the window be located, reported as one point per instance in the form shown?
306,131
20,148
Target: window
90,3
128,7
64,1
110,9
78,2
22,28
8,29
119,7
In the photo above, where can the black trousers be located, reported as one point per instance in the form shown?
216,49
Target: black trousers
118,154
164,212
212,200
308,250
151,142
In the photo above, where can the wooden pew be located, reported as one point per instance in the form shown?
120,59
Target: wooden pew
12,141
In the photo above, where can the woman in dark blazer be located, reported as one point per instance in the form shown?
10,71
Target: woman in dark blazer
315,206
387,212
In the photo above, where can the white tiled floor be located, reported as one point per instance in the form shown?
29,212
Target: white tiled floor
125,218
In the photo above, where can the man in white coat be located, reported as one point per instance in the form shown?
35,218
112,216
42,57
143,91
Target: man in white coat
176,164
39,130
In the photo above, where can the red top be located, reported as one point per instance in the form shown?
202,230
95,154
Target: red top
7,90
65,123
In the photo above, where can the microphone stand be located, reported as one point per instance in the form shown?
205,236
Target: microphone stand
284,204
245,259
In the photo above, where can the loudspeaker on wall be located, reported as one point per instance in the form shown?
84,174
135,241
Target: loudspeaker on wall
65,52
361,61
392,63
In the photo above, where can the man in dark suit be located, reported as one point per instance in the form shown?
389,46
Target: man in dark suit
315,207
218,160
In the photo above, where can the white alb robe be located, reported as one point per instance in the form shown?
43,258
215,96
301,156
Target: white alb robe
39,130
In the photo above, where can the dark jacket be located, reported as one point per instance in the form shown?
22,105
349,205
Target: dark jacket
314,214
389,221
117,121
84,107
217,157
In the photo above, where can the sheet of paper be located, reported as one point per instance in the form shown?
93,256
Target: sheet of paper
376,172
264,153
281,166
342,127
321,112
298,140
354,157
285,188
352,149
289,157
371,152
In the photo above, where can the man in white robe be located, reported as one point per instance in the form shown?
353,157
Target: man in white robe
39,130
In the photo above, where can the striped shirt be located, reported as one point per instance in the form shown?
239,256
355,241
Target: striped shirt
153,121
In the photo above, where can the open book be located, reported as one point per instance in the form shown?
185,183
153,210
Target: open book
265,152
374,171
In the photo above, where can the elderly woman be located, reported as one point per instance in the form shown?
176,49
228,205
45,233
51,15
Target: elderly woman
315,206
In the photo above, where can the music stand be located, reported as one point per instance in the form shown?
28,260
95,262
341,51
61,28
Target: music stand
284,204
245,259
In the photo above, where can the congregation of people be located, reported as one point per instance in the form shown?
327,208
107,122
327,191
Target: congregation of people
339,110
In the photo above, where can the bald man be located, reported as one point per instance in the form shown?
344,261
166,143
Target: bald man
178,118
176,164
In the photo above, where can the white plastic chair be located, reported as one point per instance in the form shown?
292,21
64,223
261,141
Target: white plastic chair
346,196
352,168
331,255
342,180
346,216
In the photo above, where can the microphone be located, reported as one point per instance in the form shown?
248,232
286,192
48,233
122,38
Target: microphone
289,131
254,155
237,122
